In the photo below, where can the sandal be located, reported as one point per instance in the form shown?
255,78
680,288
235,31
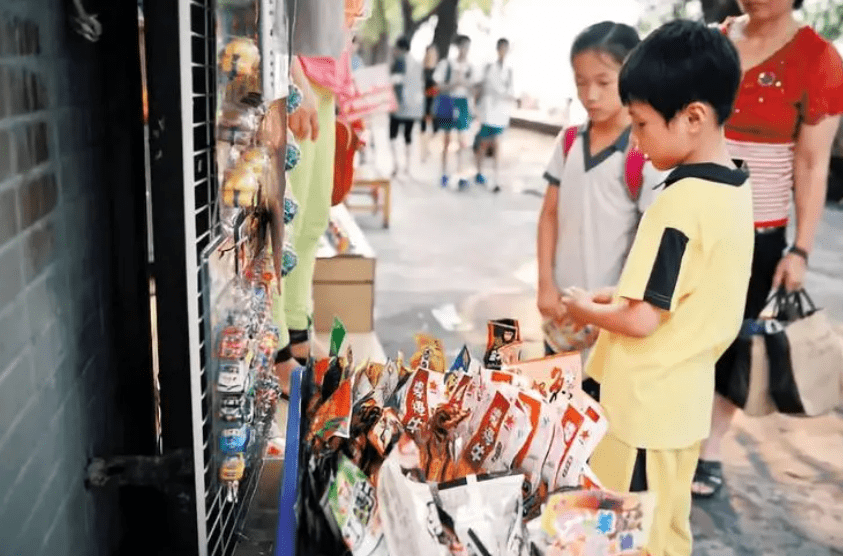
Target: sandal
709,475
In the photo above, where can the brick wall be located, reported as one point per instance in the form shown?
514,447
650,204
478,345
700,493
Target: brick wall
58,387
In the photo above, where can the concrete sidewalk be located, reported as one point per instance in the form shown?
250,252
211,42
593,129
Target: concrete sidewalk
475,251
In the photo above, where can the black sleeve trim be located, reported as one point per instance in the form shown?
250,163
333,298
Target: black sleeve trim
665,274
552,180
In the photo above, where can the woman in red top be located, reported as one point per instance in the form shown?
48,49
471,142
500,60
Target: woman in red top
785,118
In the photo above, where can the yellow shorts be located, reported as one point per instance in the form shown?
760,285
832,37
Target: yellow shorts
667,473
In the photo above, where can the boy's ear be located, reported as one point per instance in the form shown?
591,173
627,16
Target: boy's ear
697,114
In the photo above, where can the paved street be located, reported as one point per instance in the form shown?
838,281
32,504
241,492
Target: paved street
476,251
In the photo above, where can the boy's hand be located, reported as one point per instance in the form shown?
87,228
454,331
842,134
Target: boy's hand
550,303
577,302
603,296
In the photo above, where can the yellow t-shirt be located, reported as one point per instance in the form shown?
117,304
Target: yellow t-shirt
692,258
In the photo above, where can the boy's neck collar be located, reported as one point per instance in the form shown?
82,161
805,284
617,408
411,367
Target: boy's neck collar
709,171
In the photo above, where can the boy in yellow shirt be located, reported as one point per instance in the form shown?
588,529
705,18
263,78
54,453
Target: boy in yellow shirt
679,302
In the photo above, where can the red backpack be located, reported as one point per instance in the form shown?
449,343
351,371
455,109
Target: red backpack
633,172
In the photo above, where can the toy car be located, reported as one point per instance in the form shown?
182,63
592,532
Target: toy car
233,378
237,408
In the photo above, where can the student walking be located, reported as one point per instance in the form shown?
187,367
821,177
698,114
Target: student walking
406,75
431,89
455,78
497,96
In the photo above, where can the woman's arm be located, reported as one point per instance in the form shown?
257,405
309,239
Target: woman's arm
811,160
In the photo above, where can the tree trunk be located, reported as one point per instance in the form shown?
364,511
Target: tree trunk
446,26
715,11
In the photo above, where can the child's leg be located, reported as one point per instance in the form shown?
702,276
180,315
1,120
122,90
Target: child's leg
669,476
666,473
446,144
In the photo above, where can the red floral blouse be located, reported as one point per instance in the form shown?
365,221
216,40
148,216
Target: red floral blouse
801,83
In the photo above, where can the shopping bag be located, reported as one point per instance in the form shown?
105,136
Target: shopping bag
805,358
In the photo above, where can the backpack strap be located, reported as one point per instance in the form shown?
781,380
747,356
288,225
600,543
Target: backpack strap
570,137
634,172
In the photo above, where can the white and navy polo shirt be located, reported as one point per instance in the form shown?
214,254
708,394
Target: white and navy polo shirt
597,215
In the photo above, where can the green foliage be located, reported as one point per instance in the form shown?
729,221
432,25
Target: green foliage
826,17
387,16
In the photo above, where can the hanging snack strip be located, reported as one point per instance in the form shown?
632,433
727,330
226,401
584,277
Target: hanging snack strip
407,461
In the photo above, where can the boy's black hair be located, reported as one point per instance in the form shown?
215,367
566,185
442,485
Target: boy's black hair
462,39
614,39
797,4
403,44
679,63
502,42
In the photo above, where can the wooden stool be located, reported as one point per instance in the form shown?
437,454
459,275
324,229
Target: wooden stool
372,188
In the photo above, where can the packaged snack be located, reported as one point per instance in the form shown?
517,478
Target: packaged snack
418,397
556,377
333,418
437,457
530,459
386,432
487,513
353,505
234,441
483,442
429,354
500,333
576,434
337,337
564,336
384,378
588,480
459,368
410,517
595,523
241,56
233,343
510,354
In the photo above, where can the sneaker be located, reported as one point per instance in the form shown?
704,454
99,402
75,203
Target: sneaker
463,184
496,189
444,182
480,179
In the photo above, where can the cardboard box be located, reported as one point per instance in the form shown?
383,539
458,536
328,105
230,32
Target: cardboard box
344,283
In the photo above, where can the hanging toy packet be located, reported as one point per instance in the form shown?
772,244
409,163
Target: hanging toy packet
501,333
354,507
429,355
556,377
597,523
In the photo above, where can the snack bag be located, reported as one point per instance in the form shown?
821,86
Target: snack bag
386,432
501,333
418,397
596,523
510,354
556,377
459,368
530,459
384,379
437,456
411,521
430,354
483,443
565,337
486,513
576,434
354,507
333,418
